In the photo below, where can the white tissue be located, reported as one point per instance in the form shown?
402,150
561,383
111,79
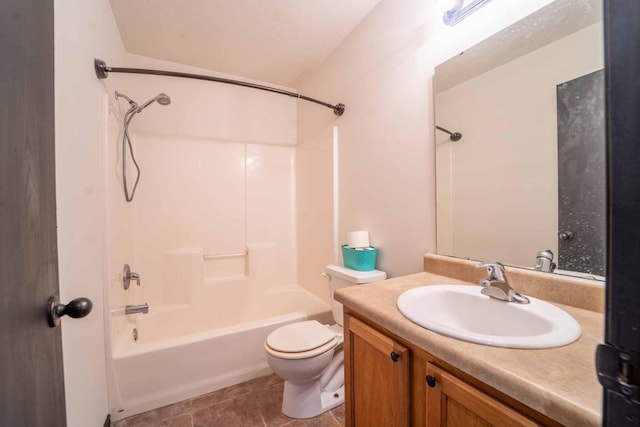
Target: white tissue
358,239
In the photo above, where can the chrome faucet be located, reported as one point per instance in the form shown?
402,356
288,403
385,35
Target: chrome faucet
544,261
497,286
133,309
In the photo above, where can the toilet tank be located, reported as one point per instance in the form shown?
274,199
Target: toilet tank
341,277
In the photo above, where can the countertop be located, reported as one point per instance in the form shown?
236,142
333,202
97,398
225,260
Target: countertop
558,382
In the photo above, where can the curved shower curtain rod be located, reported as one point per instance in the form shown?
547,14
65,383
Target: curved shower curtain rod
102,72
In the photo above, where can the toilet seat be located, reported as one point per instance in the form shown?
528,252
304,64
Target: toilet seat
303,354
300,340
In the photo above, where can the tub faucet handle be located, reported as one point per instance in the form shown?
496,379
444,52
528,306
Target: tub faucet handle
128,276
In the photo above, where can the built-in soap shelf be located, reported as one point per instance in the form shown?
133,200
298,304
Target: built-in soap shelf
225,255
223,267
188,271
227,279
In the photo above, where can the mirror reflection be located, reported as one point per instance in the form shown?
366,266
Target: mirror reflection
525,184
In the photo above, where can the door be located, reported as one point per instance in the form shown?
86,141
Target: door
31,389
618,360
582,174
453,403
376,378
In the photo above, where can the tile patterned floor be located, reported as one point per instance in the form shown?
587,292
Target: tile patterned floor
255,403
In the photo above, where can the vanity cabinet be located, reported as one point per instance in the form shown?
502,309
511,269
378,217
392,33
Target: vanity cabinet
391,383
452,402
378,371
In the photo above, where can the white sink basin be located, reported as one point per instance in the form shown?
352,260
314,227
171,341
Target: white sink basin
462,312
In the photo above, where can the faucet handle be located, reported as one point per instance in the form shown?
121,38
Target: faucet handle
128,276
495,270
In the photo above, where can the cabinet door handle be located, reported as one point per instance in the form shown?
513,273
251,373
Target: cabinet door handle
431,381
394,356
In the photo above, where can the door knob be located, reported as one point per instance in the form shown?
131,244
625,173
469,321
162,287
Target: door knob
77,308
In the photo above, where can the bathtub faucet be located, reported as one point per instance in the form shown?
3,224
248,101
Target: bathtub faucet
133,309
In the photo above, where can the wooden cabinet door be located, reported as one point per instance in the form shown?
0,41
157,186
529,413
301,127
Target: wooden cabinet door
452,402
377,378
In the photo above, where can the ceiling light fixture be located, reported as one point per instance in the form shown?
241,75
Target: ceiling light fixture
457,10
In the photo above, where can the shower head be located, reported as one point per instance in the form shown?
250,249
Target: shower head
162,99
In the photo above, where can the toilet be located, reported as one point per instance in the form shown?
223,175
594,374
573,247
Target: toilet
309,356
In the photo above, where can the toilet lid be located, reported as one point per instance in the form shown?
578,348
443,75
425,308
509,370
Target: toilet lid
300,336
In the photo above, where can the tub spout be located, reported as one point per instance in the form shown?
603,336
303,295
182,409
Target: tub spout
133,309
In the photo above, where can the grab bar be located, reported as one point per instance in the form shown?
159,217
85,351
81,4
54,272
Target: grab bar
221,255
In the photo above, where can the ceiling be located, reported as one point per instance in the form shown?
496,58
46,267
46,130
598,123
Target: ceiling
549,24
276,41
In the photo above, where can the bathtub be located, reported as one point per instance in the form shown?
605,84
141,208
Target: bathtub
183,351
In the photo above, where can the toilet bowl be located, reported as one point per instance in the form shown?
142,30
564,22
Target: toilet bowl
309,357
301,354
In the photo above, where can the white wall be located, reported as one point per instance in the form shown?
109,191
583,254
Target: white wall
510,110
84,29
315,203
383,72
119,222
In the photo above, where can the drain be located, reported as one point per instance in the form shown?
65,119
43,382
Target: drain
135,334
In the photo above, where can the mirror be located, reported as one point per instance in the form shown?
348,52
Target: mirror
528,172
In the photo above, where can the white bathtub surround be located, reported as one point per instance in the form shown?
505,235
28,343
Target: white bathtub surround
220,196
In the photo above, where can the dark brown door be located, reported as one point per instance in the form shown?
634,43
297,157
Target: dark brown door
31,384
618,359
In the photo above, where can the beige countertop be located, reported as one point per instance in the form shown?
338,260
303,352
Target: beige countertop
558,382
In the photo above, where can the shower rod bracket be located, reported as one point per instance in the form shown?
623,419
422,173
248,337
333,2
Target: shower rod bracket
101,69
102,72
454,136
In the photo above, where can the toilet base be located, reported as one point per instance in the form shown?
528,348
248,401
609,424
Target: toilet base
308,401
